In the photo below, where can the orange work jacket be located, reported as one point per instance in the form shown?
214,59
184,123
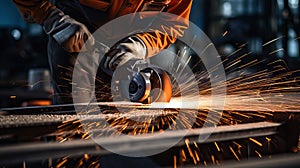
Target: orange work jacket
38,10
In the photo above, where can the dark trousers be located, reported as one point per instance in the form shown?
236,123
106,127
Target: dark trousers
62,62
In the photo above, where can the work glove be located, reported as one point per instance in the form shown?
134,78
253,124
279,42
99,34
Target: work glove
69,33
119,64
129,50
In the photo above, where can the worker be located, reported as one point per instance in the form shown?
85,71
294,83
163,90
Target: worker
70,24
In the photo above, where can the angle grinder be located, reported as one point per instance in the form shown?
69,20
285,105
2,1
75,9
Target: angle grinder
141,82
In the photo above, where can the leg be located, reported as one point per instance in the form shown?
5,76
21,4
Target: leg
61,66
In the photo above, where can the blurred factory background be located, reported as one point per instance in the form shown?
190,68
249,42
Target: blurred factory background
258,121
230,24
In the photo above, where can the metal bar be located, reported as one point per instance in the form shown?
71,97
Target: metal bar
129,144
9,121
278,161
276,102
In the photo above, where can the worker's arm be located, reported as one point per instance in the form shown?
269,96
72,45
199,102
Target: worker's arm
172,28
34,10
69,33
144,45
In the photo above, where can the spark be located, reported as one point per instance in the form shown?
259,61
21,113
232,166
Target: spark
63,140
197,156
233,53
243,45
217,146
187,141
213,159
86,135
239,58
237,144
255,141
272,41
241,114
233,64
233,152
259,155
86,156
183,156
60,164
175,161
196,145
257,115
247,64
276,51
268,142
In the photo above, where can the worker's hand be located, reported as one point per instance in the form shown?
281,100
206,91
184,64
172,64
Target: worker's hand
130,49
70,34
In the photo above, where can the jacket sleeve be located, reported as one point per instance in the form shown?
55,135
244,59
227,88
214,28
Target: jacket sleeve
34,10
167,33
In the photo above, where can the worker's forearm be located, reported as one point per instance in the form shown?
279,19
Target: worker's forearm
34,10
168,29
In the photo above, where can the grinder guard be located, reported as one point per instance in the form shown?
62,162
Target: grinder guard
143,83
151,84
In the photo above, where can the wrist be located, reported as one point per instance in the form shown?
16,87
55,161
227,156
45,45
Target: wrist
60,26
41,12
142,43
